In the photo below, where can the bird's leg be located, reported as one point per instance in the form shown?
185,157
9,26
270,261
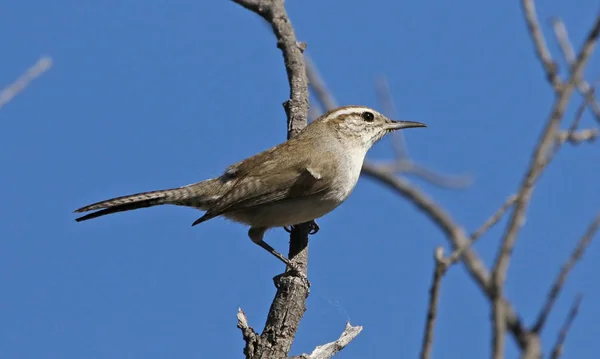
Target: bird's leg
314,227
256,234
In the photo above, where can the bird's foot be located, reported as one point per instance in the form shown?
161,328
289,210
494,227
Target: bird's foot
313,226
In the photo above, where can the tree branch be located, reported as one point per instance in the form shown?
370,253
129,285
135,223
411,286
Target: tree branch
289,303
455,234
441,265
12,90
489,223
384,97
561,279
538,161
562,37
498,327
402,163
539,43
328,350
562,336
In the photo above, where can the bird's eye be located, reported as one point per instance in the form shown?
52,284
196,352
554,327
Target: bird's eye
368,116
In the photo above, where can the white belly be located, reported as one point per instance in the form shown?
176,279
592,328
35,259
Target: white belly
285,213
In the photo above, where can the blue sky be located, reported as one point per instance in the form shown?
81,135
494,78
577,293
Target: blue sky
156,94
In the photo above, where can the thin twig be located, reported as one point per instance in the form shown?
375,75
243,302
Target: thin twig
384,97
441,265
583,243
455,234
562,37
402,164
570,135
408,167
538,161
577,137
328,350
318,86
489,223
12,90
539,42
562,336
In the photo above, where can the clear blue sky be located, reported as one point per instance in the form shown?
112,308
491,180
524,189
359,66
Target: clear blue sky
154,94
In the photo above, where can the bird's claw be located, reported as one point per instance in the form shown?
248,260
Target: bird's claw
312,225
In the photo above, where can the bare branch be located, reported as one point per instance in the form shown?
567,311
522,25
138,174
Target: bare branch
578,116
406,166
570,135
583,243
409,167
538,161
402,163
562,37
498,327
533,350
12,90
489,223
539,42
384,97
441,265
577,137
289,303
328,350
562,336
273,11
318,86
455,234
249,335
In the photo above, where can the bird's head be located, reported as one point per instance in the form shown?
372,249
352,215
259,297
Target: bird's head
361,125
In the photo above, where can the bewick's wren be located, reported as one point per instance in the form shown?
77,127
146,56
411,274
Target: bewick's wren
295,182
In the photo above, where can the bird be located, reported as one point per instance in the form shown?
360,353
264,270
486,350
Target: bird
296,181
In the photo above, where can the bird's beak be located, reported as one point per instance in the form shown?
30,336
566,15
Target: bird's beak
397,125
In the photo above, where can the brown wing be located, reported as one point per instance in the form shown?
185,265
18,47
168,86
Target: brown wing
271,183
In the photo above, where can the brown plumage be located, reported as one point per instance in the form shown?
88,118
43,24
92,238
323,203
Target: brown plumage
294,182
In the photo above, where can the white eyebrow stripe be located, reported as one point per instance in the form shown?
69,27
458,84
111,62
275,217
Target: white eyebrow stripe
345,111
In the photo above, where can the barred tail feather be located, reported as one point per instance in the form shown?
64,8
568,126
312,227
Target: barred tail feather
135,201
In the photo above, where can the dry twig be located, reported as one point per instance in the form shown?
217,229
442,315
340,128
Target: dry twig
401,164
328,350
489,223
456,236
538,161
384,97
539,42
454,232
583,243
12,90
562,336
441,266
562,37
